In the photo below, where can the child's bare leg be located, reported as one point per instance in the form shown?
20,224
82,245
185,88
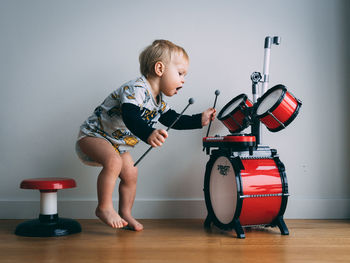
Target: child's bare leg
103,152
127,191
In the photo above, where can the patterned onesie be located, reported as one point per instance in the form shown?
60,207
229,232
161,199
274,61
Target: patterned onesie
128,114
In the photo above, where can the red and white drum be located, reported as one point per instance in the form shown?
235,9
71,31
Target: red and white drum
245,191
235,115
277,108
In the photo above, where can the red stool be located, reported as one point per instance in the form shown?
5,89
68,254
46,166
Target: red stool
48,224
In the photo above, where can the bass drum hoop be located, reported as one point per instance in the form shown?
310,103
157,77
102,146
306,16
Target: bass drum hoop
210,209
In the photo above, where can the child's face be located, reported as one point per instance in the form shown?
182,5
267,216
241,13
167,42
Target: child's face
174,75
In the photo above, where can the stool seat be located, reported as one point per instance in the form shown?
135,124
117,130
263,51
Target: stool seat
50,183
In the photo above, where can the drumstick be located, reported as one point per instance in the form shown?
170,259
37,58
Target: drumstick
217,93
190,101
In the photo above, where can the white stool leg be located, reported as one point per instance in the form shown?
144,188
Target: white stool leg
48,203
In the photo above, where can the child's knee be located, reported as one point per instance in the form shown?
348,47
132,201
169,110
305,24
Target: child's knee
130,176
113,162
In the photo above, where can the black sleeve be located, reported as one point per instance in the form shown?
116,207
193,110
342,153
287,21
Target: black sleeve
131,115
185,122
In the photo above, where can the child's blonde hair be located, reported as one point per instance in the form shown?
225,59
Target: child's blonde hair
160,50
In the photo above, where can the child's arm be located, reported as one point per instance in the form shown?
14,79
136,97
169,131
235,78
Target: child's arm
187,122
131,115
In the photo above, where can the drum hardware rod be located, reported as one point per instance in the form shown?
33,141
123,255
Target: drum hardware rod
273,116
264,195
251,150
256,130
269,41
190,101
233,118
217,93
255,157
255,125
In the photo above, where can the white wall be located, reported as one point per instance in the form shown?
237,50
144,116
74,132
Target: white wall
60,59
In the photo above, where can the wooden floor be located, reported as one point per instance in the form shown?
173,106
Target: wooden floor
182,241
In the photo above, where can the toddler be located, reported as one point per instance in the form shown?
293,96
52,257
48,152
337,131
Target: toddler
127,116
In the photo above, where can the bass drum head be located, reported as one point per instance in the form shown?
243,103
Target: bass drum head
269,101
223,190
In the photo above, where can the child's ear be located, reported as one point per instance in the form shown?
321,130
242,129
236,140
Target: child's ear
159,68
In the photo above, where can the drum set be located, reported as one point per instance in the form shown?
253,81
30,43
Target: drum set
245,182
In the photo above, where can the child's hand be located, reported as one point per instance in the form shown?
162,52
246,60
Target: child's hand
157,138
208,115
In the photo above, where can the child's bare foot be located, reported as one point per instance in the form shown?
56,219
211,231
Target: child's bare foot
133,224
110,217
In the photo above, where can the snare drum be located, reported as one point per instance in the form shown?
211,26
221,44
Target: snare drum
277,108
245,191
235,115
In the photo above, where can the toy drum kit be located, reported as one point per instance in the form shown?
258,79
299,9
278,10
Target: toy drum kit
245,182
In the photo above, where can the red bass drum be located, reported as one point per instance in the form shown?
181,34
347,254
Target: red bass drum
245,191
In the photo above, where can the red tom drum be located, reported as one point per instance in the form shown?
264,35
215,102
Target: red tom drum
245,191
235,115
277,108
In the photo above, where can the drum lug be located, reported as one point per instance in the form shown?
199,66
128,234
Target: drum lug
273,152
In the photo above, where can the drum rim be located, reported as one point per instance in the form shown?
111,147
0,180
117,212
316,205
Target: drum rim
277,103
282,171
222,118
217,154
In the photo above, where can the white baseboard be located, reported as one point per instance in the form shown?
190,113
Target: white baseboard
162,209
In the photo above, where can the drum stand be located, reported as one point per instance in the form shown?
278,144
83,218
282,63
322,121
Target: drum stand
256,78
236,226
